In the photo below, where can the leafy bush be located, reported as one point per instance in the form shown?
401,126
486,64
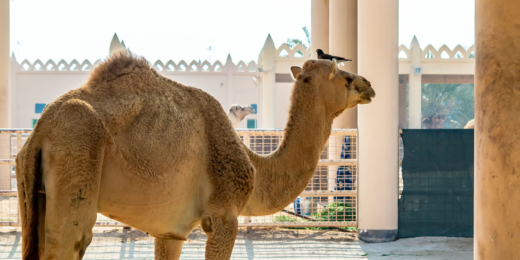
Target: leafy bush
289,219
337,211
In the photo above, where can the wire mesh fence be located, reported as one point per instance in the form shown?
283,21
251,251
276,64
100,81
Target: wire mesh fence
330,198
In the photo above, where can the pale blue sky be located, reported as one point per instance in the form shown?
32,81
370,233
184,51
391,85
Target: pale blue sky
160,29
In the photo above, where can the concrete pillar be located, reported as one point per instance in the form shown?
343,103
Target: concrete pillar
5,95
4,65
343,43
403,81
267,90
497,153
414,87
378,121
319,26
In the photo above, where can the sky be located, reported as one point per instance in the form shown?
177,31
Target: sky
184,30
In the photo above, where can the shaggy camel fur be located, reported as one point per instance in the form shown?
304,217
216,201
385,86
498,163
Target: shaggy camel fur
164,158
237,113
470,124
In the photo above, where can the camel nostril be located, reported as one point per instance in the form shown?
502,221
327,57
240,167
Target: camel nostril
372,93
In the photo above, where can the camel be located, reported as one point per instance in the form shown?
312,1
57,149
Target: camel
470,124
237,113
163,158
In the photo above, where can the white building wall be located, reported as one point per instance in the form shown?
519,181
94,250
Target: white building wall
230,83
33,83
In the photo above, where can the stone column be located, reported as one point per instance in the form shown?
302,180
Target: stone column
319,26
403,81
414,86
497,149
378,121
267,90
4,65
343,43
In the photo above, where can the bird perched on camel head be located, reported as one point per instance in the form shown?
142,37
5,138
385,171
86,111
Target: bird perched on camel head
325,56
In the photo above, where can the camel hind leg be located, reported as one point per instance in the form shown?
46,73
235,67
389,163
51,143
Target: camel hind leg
72,163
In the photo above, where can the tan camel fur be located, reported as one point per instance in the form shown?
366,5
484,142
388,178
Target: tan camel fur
164,158
470,124
237,113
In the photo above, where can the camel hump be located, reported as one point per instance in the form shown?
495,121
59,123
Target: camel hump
119,64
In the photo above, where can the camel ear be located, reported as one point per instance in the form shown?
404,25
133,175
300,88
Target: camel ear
296,71
334,69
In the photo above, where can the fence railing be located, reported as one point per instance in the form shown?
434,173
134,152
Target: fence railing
330,198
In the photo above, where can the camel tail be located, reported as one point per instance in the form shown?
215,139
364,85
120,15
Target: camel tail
29,178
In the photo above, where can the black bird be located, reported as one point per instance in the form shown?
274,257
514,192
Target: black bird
324,56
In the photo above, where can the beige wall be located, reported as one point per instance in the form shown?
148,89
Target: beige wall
32,86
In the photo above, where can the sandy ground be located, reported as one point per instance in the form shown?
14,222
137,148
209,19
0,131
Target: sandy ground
264,243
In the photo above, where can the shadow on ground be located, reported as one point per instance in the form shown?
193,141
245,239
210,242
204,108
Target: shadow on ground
262,243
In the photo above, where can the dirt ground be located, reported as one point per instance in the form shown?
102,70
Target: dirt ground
263,243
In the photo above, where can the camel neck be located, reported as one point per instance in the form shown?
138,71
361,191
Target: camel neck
234,119
282,175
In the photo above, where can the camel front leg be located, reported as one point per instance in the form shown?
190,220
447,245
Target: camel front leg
221,232
168,249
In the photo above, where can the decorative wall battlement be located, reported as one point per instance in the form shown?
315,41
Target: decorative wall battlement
205,66
298,51
169,66
443,53
50,65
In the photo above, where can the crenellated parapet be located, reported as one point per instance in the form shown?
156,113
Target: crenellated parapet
429,53
297,52
60,66
205,66
169,66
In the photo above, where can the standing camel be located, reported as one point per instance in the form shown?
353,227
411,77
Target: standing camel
164,158
470,124
237,113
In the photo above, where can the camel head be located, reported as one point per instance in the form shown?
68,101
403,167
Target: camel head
240,112
338,89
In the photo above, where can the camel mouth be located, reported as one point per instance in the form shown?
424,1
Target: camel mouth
367,98
250,110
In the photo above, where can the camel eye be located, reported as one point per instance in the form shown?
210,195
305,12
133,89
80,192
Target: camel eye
349,80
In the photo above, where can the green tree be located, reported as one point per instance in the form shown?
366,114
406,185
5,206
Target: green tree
292,42
450,104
